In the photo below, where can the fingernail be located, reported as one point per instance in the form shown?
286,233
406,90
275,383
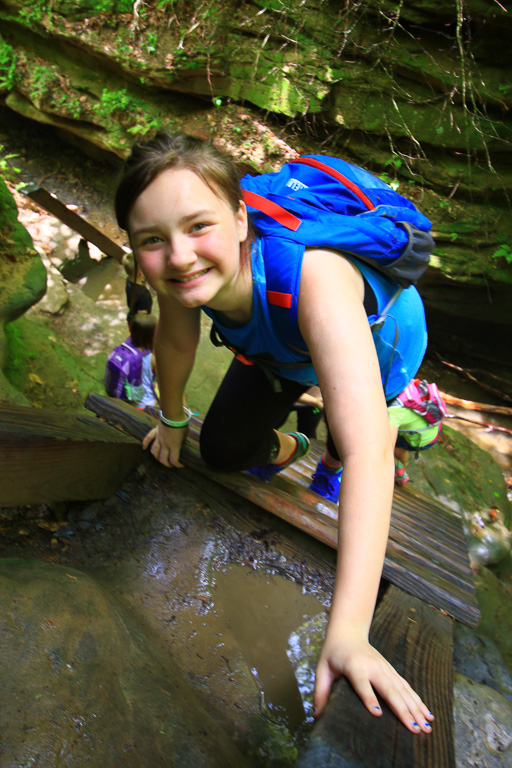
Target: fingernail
415,725
427,725
376,707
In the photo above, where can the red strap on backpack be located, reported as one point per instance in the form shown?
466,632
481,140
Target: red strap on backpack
275,211
287,219
340,177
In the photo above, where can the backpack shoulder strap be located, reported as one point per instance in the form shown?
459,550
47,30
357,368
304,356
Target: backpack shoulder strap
283,263
275,211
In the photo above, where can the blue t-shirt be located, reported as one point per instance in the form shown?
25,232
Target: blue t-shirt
400,341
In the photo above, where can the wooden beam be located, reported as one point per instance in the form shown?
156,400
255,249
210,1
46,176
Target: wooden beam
418,641
427,550
73,220
50,456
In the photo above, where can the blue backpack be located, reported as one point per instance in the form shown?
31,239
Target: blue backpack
322,201
123,374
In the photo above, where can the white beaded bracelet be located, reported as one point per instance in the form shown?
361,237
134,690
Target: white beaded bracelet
176,424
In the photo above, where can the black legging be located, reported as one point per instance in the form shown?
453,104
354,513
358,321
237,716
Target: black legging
238,431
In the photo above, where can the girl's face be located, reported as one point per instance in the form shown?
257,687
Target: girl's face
187,241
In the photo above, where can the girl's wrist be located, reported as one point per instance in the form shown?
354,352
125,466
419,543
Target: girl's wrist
177,424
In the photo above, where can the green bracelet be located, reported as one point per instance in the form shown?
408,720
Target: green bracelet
176,424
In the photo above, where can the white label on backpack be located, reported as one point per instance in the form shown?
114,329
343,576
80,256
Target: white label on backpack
295,184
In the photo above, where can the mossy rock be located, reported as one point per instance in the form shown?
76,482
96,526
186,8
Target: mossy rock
22,273
44,370
494,594
462,475
81,9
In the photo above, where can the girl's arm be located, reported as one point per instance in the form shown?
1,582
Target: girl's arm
176,340
335,327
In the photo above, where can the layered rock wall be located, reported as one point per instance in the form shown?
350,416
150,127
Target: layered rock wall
418,92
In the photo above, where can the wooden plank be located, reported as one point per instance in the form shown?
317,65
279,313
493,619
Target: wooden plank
50,456
417,559
73,220
417,640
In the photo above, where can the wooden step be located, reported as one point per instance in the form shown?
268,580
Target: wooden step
48,456
418,641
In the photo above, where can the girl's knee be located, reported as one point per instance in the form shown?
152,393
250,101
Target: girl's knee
216,451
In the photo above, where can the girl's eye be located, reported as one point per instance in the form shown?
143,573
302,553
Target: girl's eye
152,240
199,226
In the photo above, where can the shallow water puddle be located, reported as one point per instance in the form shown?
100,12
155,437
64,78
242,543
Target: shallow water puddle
267,615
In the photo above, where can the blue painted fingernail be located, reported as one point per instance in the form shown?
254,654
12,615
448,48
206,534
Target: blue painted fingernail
427,725
415,725
376,707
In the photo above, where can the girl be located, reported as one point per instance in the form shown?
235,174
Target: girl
142,332
180,202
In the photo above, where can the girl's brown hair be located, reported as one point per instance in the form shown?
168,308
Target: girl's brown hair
168,150
142,330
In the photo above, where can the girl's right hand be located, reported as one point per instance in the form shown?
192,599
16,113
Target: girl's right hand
166,444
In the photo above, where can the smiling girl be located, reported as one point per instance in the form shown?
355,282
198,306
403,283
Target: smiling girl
180,201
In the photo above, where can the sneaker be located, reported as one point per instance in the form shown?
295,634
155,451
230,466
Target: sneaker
401,476
326,482
266,471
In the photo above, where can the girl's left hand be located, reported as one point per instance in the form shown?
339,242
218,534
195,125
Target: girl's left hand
166,444
367,669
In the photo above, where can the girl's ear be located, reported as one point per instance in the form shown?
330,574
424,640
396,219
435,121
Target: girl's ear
242,221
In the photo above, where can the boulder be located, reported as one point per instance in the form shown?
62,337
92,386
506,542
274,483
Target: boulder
22,273
85,683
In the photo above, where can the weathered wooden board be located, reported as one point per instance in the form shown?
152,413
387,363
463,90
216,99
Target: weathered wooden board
73,220
49,456
426,553
417,640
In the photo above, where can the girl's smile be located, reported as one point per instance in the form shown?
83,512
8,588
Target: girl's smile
187,241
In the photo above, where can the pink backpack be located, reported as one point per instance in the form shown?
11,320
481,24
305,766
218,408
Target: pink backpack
424,398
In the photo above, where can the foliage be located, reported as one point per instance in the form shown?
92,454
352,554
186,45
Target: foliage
8,171
503,252
114,101
131,109
43,78
35,12
8,59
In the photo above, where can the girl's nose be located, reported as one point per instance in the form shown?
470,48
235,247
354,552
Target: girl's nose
179,253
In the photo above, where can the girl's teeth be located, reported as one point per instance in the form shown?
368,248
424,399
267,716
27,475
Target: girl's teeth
192,277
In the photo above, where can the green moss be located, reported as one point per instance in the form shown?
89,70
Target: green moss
8,59
462,475
36,359
494,595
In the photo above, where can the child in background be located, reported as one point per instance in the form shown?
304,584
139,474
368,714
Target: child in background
138,296
415,418
142,334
